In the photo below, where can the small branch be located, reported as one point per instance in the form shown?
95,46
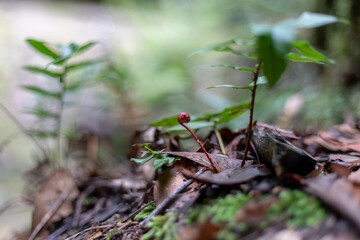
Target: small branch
50,213
170,198
249,130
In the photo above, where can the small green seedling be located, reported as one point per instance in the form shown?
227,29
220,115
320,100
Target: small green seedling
159,157
57,69
271,48
145,212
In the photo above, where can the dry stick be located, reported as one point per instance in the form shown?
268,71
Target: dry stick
50,213
249,131
170,198
22,128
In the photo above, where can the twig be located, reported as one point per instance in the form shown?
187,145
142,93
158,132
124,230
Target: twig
22,128
249,130
170,198
137,211
50,213
123,225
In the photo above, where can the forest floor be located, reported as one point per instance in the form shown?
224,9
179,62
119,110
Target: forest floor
290,186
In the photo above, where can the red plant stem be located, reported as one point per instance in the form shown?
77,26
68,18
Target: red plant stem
249,130
201,146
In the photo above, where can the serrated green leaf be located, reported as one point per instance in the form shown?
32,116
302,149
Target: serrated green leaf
42,48
83,64
227,114
232,86
314,20
238,68
309,52
142,161
43,71
192,125
42,92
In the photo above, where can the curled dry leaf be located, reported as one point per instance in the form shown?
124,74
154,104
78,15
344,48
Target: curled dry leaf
232,176
170,180
59,182
344,138
280,155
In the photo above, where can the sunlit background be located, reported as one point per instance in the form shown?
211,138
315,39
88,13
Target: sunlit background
147,75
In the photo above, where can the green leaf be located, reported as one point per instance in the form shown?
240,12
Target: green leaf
166,122
313,20
226,47
309,52
42,134
297,58
273,44
83,64
232,86
142,161
42,48
86,46
227,114
42,92
192,125
42,113
43,71
243,69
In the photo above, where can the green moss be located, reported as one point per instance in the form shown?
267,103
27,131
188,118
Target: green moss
300,209
162,227
219,210
145,212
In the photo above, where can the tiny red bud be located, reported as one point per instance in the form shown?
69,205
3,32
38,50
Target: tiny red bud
183,118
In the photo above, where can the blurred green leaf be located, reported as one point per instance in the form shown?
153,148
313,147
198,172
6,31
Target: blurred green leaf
142,161
77,85
313,20
42,113
195,124
86,46
42,92
232,86
42,134
227,114
42,48
243,69
166,122
43,71
225,47
273,44
83,64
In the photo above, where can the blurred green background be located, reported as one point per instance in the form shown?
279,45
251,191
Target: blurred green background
147,74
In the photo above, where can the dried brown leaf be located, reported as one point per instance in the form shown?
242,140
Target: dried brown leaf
220,161
338,193
233,176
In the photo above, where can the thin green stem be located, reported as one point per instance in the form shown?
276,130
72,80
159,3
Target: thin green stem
61,110
249,130
220,140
